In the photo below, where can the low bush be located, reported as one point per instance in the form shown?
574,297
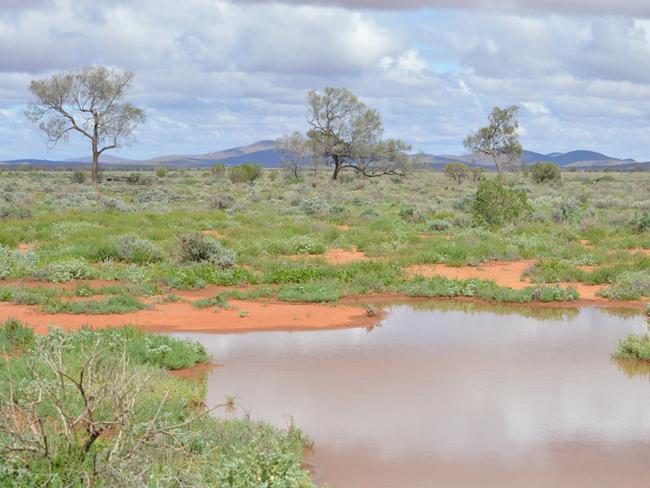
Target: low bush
314,206
545,173
630,285
117,304
15,337
195,247
67,270
310,292
634,347
294,245
439,225
245,173
133,249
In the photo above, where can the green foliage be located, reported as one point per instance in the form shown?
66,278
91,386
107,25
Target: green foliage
487,290
545,173
294,245
245,173
643,223
314,206
15,337
161,171
66,270
630,285
78,176
310,292
133,249
218,170
439,225
458,172
117,304
495,204
195,247
634,347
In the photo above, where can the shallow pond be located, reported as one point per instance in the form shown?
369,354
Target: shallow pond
452,395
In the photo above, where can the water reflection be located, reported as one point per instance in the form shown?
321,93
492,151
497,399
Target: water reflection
452,394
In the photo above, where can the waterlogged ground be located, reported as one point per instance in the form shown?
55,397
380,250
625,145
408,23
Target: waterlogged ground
452,395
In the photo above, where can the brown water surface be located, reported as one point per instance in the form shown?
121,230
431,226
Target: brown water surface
452,395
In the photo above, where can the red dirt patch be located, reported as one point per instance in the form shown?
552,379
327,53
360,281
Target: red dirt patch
343,256
195,372
503,273
343,227
26,246
181,316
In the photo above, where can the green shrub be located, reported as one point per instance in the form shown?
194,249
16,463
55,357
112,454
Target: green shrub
9,211
110,305
78,176
545,173
294,245
133,249
630,285
458,172
314,206
634,347
644,222
309,292
67,270
195,247
439,225
245,173
495,205
161,171
14,336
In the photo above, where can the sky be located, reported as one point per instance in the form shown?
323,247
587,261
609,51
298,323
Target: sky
214,74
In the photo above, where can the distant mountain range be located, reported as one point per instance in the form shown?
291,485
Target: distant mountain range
265,153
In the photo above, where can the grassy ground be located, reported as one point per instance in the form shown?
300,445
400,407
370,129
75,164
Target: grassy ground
145,236
98,408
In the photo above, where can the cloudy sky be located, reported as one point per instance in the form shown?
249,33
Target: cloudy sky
213,74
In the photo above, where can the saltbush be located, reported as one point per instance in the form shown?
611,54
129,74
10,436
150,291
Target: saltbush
195,247
630,285
315,205
133,249
66,270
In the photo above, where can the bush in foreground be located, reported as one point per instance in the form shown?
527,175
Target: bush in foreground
86,409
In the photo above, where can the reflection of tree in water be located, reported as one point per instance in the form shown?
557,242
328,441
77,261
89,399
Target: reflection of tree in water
632,368
623,313
537,313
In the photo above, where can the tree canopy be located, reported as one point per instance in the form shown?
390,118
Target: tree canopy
499,140
348,134
89,102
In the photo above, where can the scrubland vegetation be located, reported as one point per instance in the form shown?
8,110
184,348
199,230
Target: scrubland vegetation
152,233
189,229
98,408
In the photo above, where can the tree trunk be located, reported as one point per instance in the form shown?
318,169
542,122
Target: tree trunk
337,170
95,166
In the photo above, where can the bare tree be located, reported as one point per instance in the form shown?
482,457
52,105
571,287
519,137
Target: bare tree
499,140
348,134
89,102
294,151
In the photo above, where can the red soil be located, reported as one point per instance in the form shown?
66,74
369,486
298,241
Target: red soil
503,273
182,316
335,256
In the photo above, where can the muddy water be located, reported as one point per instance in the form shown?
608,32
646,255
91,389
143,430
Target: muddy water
453,396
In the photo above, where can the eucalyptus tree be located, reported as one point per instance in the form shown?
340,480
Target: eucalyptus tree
347,134
499,140
90,102
294,152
